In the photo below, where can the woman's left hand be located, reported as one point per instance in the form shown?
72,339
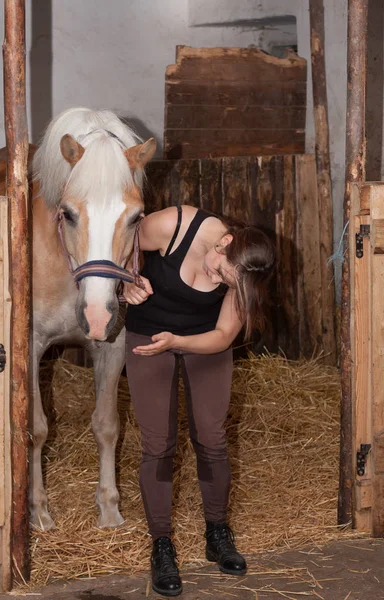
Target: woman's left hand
161,342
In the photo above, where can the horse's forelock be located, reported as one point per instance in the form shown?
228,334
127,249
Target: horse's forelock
103,166
102,173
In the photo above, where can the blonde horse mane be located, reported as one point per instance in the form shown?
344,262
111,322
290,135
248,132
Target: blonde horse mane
103,170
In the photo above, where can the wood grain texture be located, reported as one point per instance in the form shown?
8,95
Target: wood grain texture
361,359
377,320
239,94
17,192
323,164
209,143
5,409
233,102
310,284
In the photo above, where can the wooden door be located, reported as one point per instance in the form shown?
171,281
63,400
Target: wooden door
367,355
5,438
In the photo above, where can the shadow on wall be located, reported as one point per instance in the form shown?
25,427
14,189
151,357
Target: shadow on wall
40,64
142,131
374,95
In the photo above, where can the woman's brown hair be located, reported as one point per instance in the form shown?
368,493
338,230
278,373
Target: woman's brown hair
253,255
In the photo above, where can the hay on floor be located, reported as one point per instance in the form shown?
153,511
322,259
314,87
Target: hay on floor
283,430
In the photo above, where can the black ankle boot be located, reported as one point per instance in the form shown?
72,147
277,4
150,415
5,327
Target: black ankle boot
221,549
165,574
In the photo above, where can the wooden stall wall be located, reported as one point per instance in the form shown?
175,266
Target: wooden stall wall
279,194
234,102
366,262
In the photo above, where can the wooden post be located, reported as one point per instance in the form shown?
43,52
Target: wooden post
324,183
17,192
355,172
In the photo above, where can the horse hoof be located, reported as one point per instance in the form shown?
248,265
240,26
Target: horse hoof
43,521
110,522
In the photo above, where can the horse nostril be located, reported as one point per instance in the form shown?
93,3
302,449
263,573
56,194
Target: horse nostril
82,319
112,305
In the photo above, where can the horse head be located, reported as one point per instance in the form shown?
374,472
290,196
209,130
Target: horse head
93,175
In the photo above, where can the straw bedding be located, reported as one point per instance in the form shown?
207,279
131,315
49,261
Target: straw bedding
283,443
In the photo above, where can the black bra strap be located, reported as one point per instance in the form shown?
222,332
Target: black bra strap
176,230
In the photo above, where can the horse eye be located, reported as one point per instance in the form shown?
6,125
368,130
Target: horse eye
137,219
68,216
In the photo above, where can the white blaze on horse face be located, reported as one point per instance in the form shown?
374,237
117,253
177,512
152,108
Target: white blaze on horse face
99,290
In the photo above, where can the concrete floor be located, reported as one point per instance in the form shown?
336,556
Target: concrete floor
343,570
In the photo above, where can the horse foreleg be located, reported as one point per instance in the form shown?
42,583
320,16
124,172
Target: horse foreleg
108,361
38,503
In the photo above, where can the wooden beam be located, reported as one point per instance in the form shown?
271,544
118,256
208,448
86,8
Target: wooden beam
324,182
355,172
17,192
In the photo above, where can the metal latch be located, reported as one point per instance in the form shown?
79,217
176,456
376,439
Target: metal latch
361,458
365,230
3,358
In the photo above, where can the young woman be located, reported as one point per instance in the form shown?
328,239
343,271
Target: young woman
204,280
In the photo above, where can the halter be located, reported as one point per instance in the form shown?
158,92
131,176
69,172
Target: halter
103,268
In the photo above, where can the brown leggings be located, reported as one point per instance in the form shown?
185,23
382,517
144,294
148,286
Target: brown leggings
153,383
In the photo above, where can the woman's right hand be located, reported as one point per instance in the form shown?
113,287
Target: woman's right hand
136,295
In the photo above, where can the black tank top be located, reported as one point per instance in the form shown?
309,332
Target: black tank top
175,306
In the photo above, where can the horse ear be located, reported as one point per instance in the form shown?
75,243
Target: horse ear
139,155
71,150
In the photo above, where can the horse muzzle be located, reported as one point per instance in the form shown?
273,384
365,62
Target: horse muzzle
97,320
95,317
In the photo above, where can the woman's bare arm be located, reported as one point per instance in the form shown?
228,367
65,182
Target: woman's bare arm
219,339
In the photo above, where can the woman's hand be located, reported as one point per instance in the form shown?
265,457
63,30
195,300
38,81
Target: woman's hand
161,342
134,294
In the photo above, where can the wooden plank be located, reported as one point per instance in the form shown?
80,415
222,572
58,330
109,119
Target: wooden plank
211,197
310,290
5,393
378,236
203,143
157,185
377,279
241,94
236,189
235,64
266,182
324,183
363,499
288,316
360,274
4,375
185,183
188,116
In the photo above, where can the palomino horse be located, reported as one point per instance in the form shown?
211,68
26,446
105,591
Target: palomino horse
88,174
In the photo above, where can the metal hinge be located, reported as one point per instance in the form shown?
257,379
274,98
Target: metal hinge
365,230
3,358
361,458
